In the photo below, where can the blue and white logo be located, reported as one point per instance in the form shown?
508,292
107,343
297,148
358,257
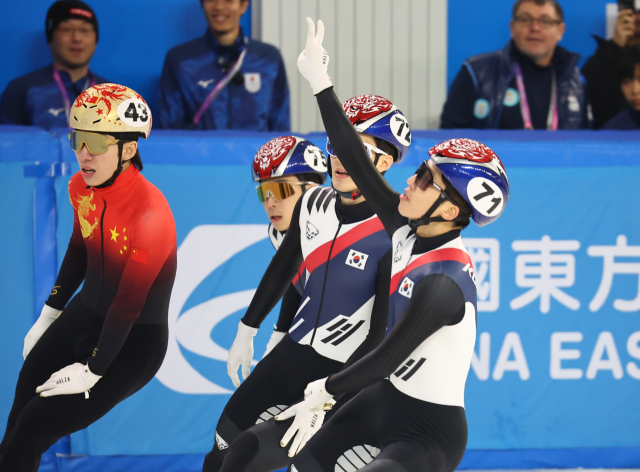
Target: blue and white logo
481,109
204,249
511,98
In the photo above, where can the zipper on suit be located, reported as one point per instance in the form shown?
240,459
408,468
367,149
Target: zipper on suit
324,283
101,253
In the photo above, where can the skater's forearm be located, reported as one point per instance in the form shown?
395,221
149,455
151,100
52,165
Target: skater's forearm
437,301
278,276
353,155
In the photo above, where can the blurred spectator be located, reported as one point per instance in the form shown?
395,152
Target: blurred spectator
224,80
602,70
629,84
43,97
531,84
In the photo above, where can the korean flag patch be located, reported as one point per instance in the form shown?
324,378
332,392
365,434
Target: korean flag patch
356,259
406,287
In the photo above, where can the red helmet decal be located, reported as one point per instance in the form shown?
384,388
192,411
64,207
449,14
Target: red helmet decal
465,149
271,155
106,93
363,107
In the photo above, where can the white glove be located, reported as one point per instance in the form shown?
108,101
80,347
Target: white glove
47,316
314,60
307,422
275,338
316,395
75,378
309,415
241,353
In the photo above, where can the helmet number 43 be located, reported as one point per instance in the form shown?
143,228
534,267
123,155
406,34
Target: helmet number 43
133,112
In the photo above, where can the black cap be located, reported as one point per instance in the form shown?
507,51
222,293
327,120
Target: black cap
68,9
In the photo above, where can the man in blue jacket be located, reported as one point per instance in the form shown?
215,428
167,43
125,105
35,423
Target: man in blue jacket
43,97
531,84
224,80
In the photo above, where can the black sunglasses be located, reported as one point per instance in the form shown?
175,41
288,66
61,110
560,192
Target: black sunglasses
424,178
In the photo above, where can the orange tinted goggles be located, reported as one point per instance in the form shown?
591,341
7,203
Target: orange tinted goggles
277,190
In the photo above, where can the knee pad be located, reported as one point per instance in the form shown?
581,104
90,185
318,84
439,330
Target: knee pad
212,463
226,433
241,453
356,458
305,462
260,450
270,455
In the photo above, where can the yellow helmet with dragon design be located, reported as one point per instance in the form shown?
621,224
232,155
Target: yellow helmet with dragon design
111,108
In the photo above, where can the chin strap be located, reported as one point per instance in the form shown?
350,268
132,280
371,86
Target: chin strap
112,179
354,195
426,218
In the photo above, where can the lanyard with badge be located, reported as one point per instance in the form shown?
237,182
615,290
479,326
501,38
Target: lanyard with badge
552,116
218,88
63,90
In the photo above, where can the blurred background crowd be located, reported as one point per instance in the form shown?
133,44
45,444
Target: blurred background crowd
224,79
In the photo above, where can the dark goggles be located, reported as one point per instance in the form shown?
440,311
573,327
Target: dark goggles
424,178
96,143
277,190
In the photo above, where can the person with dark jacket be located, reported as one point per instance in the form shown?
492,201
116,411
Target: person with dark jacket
629,85
223,79
530,84
605,69
43,97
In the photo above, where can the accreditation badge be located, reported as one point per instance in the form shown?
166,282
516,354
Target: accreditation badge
252,82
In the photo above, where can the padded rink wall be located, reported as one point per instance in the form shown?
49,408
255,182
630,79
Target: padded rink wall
556,375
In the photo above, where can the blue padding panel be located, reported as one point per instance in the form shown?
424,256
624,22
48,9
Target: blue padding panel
27,144
165,463
557,356
588,458
17,275
520,148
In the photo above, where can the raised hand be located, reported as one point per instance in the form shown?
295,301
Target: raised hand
314,60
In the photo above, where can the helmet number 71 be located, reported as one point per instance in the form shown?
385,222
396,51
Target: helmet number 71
487,193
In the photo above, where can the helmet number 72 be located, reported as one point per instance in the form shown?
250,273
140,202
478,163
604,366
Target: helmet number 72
398,124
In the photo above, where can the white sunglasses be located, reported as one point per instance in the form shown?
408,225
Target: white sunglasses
370,149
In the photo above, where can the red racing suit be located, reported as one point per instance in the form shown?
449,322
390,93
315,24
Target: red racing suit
123,247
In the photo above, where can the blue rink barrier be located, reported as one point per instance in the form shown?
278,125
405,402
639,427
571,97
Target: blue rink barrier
556,370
